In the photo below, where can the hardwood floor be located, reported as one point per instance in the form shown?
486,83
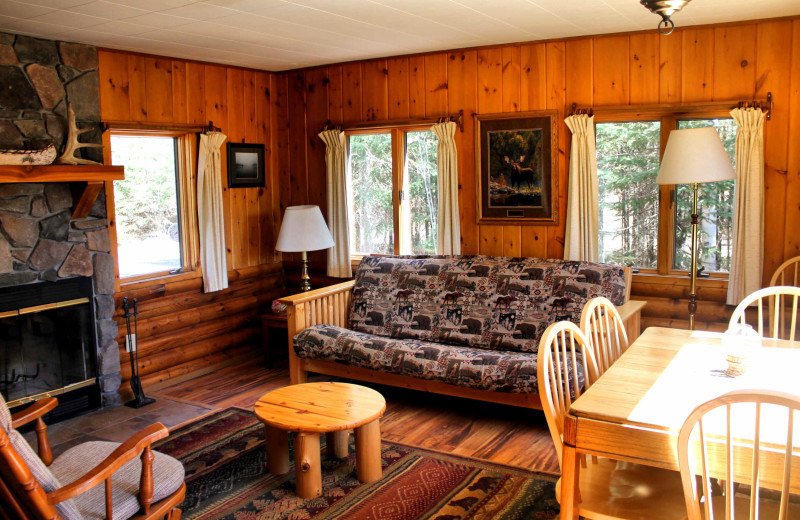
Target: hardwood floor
498,433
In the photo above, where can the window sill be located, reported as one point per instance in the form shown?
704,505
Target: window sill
126,284
651,275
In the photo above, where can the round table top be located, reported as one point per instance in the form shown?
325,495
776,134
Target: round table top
320,407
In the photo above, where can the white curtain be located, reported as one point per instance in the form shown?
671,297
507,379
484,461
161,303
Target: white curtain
338,212
448,240
210,216
748,203
583,210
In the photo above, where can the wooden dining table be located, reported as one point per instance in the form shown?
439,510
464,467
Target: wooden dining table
635,410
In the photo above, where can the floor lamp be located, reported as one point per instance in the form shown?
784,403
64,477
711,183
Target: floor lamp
303,229
694,156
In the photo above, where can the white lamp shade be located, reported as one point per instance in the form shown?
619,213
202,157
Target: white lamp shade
695,155
303,229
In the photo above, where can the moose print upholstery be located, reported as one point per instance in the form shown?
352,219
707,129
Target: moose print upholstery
473,321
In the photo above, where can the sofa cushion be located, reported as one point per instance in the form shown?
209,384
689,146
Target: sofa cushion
463,366
477,301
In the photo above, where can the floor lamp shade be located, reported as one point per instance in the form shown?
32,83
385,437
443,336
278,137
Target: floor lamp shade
693,156
303,229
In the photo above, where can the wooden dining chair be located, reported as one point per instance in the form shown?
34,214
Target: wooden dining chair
605,331
778,320
36,487
742,437
609,489
788,273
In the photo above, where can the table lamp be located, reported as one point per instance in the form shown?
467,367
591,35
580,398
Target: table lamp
694,156
303,229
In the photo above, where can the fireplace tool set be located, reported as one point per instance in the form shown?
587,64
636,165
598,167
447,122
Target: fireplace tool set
139,399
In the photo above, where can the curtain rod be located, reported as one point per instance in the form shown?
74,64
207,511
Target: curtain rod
678,108
458,119
170,127
579,111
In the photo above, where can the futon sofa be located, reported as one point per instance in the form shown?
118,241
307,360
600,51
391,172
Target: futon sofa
458,325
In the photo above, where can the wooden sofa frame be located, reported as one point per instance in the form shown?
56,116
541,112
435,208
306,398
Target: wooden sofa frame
331,306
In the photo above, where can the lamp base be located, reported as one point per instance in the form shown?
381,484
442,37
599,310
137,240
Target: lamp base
693,285
305,284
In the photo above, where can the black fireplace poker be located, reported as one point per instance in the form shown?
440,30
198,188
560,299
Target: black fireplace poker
139,399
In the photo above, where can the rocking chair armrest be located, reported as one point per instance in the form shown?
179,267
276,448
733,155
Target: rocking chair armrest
34,411
124,453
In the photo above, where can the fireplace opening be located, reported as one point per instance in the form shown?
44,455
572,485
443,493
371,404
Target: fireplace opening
47,346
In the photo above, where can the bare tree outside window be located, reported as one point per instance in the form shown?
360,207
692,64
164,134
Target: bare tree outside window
370,170
372,179
423,190
627,167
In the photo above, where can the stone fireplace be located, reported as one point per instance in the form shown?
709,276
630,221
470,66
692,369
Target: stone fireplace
41,243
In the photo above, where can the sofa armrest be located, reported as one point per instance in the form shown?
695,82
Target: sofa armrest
628,282
631,314
328,305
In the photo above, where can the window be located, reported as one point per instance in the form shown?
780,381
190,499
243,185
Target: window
150,204
635,229
393,183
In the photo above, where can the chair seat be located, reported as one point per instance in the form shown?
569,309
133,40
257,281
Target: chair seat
74,463
616,489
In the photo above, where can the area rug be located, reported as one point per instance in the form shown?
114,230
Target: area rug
226,478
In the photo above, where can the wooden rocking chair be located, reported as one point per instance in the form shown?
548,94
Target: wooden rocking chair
39,488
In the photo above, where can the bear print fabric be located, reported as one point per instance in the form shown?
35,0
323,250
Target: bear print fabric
482,302
512,372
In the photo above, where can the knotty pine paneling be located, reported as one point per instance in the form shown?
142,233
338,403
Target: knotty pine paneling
698,64
167,91
181,328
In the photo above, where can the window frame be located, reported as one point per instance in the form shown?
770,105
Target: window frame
668,117
186,182
401,210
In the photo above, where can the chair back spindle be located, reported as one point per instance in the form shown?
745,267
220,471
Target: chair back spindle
604,329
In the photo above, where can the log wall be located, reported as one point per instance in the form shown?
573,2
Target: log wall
181,329
694,64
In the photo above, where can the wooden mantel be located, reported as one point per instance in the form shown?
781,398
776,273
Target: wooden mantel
91,179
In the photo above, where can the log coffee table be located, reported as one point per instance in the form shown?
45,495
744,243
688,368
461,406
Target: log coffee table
309,409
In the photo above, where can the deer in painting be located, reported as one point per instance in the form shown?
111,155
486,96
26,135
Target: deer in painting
519,174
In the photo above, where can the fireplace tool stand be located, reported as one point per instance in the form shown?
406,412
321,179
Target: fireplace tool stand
131,346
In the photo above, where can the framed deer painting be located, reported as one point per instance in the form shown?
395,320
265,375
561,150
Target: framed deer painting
516,157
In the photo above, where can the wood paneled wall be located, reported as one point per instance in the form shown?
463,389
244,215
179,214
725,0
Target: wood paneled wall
711,63
181,329
147,89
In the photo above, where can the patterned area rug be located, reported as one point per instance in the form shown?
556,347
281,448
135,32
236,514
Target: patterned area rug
224,457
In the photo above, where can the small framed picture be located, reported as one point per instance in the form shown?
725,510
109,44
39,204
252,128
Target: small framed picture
245,165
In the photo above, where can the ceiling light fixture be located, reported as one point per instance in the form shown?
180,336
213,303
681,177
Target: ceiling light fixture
665,8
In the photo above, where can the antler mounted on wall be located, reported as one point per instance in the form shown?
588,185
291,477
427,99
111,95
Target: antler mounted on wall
73,145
